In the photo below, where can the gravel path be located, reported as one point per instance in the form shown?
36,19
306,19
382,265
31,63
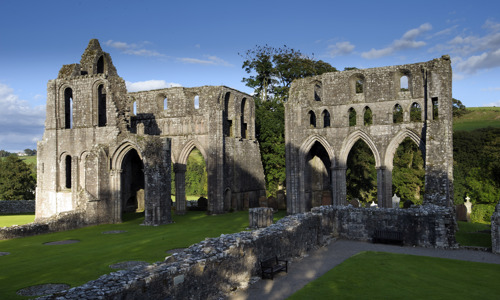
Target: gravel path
320,261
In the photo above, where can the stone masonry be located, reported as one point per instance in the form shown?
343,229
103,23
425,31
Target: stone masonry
327,114
106,151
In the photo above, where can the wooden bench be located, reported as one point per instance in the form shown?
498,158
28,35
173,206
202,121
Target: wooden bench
271,266
388,237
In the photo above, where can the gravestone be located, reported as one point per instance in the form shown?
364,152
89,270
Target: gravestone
395,201
355,202
202,203
260,217
373,205
468,206
281,199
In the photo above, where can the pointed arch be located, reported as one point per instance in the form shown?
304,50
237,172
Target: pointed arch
311,140
186,150
351,140
121,151
398,139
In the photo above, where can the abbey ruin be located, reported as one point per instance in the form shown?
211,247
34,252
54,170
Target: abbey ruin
327,114
106,151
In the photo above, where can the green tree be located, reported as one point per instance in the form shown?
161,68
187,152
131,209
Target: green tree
408,174
272,71
458,108
16,180
4,153
361,176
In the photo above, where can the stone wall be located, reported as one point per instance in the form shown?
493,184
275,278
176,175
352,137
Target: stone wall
17,206
495,230
61,222
216,266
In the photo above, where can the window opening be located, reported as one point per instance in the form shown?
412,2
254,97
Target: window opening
68,108
435,108
68,171
317,92
415,113
100,65
312,119
359,85
368,117
134,108
403,83
326,118
196,102
165,103
397,114
352,117
101,104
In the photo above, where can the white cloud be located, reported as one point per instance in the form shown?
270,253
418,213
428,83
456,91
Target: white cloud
340,48
211,60
496,104
20,123
407,41
486,60
149,85
132,49
491,89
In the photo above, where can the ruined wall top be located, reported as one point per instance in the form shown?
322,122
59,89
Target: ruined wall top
94,61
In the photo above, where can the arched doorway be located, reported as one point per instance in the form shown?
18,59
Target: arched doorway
408,173
361,175
318,190
132,182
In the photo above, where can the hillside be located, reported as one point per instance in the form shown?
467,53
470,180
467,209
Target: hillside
478,117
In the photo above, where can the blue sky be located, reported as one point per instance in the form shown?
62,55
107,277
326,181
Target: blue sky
156,44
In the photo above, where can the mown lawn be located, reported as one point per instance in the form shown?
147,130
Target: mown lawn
21,219
379,275
31,262
474,234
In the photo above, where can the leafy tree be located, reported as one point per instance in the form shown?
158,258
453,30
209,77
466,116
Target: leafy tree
16,180
276,68
30,152
196,174
273,71
4,153
408,174
458,108
361,176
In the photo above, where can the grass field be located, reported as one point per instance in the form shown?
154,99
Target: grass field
474,234
31,262
21,219
478,117
378,275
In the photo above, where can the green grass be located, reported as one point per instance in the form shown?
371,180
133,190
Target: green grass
28,159
31,262
20,219
378,275
473,234
478,117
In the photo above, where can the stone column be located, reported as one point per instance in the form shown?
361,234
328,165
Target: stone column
260,217
116,199
339,186
180,188
384,187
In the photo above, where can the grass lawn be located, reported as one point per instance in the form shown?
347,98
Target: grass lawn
9,220
474,234
379,275
478,117
31,262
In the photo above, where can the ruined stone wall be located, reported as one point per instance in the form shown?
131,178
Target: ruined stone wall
317,125
216,266
16,206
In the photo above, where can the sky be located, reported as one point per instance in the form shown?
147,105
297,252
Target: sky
157,44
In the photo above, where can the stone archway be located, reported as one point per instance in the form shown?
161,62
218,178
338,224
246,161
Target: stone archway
132,182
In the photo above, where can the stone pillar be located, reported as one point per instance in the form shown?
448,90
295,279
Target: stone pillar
180,189
116,199
260,217
384,187
339,186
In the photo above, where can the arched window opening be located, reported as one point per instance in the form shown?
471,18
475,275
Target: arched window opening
317,92
403,83
100,65
244,117
165,103
326,118
359,85
318,190
361,176
408,173
435,108
196,175
101,106
134,108
397,114
352,117
368,117
312,119
415,112
196,102
228,123
68,108
67,164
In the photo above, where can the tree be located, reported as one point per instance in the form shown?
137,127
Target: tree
30,152
4,153
274,70
361,176
408,174
16,180
458,108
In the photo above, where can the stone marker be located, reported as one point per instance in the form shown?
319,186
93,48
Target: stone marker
373,205
395,201
260,217
468,206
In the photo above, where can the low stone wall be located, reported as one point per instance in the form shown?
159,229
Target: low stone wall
216,266
17,206
495,230
62,222
424,226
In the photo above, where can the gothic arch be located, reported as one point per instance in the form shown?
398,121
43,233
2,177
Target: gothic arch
396,140
309,142
351,140
120,153
186,150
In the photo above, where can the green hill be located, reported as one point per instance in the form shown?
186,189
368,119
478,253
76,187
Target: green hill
478,117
